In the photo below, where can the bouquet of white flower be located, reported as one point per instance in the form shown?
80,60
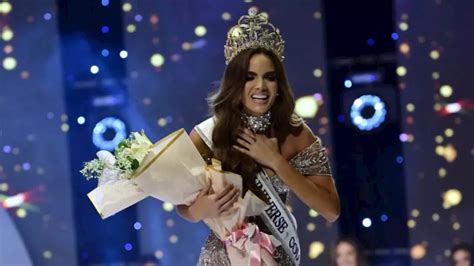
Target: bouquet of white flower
128,155
172,170
116,191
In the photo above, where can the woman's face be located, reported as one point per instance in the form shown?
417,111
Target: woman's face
461,258
261,86
346,255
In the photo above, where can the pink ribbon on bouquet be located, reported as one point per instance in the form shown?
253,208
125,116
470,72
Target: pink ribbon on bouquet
239,239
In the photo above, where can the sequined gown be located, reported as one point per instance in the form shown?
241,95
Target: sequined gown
310,161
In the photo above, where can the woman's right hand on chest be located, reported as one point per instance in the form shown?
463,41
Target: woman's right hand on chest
210,204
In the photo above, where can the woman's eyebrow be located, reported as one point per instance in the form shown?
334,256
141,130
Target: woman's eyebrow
267,73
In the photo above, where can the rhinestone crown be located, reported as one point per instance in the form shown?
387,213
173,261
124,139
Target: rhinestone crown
253,31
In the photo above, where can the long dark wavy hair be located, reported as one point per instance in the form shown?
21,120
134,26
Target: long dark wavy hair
226,106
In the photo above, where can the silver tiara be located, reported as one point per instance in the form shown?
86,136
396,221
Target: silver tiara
253,31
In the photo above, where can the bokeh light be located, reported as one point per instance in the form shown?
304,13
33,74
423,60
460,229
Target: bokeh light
157,60
226,16
311,227
417,252
312,213
127,7
449,132
306,107
403,26
21,213
131,28
452,197
123,54
200,31
315,249
7,34
367,222
94,69
173,239
47,254
5,8
446,91
318,73
411,223
434,54
405,48
168,206
401,71
9,63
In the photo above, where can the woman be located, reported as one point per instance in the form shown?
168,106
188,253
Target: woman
346,252
460,255
253,130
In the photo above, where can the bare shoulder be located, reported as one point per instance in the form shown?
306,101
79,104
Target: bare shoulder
294,144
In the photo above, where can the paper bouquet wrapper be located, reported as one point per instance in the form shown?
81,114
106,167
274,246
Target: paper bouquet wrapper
244,242
173,171
114,196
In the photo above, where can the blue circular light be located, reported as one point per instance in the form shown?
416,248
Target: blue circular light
128,247
47,16
137,226
105,52
138,18
105,29
101,127
7,149
403,137
395,36
399,159
348,83
26,166
368,123
341,118
370,42
384,217
105,2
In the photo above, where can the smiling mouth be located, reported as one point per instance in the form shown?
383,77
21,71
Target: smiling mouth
260,97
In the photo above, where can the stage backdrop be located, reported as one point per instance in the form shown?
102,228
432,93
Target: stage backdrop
436,58
34,169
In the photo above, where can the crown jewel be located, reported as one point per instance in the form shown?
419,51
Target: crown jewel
253,31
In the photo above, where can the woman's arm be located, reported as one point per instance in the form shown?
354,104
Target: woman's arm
208,204
317,192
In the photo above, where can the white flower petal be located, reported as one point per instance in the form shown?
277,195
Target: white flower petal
107,157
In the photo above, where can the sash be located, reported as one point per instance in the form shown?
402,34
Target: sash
276,216
279,220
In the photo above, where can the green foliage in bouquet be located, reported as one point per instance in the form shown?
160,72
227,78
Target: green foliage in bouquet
128,155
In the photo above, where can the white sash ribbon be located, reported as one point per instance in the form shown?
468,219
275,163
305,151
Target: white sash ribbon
279,220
